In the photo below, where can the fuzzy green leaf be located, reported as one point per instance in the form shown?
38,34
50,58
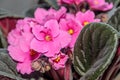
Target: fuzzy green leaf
8,66
52,3
94,50
3,41
5,13
114,21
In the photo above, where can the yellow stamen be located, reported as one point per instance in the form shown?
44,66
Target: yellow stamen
57,59
85,23
48,38
70,31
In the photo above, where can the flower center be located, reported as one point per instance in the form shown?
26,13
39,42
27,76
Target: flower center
48,38
96,2
32,52
70,31
57,59
85,23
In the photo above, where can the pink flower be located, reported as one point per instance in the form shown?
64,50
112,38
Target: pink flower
99,5
77,2
86,18
58,61
42,15
19,48
71,26
49,39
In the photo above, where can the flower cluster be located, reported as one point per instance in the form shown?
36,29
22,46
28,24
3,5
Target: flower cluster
93,4
46,34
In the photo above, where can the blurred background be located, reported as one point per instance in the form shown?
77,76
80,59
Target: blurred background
17,6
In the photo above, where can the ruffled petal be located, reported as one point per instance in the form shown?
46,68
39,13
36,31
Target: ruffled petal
24,67
39,46
38,32
64,38
53,48
40,14
16,53
53,26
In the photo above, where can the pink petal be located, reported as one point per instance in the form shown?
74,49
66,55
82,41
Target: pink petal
60,13
53,26
78,1
54,47
24,67
16,53
74,38
69,1
24,45
87,16
13,37
101,5
61,63
38,32
40,14
39,46
27,36
104,7
64,39
63,25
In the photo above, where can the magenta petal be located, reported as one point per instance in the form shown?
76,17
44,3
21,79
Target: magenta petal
27,36
24,67
37,31
23,45
105,7
87,16
53,26
54,47
78,1
74,38
63,25
68,1
61,63
64,38
40,14
60,13
16,53
39,46
100,5
13,37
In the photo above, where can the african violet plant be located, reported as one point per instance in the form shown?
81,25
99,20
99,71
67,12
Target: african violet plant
62,40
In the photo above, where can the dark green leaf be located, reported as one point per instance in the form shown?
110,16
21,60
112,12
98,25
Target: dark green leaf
114,21
3,41
5,13
94,50
8,66
30,12
52,3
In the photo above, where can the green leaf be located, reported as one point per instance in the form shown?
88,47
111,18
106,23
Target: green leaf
30,12
114,21
8,66
3,41
5,13
94,50
52,3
